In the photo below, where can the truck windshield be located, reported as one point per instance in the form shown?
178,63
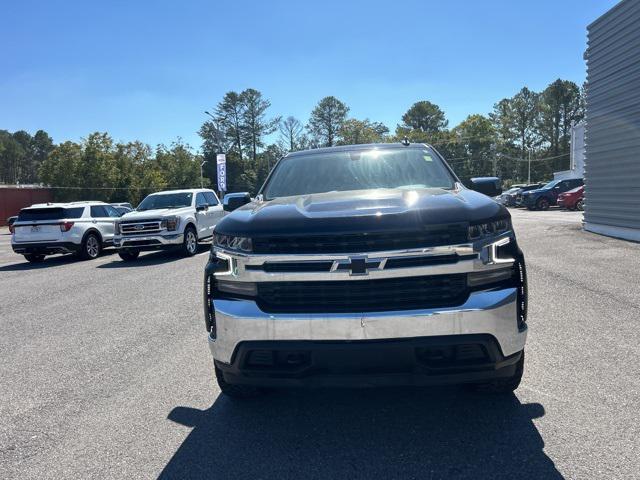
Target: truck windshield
357,170
166,200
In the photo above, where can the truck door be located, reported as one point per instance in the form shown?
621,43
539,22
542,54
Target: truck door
201,215
215,209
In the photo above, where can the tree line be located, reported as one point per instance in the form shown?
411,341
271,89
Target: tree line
530,124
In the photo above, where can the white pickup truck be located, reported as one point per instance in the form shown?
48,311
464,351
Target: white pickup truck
171,219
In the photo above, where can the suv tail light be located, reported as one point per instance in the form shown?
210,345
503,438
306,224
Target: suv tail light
66,226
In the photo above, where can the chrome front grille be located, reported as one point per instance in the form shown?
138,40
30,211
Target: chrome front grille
361,242
363,296
140,228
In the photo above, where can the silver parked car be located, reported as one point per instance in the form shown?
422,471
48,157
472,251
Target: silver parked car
82,228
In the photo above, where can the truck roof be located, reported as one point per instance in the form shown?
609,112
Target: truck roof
364,146
66,204
184,190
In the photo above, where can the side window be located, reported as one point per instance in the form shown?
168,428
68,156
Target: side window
75,212
563,186
98,211
200,200
111,212
211,199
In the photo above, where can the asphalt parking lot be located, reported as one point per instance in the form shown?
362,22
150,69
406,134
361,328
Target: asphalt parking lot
106,373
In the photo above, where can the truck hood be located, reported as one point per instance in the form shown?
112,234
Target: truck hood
156,213
360,211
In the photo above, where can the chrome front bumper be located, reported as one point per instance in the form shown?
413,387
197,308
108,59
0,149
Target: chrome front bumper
147,241
490,312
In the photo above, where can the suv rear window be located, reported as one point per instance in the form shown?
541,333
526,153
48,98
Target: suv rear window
31,214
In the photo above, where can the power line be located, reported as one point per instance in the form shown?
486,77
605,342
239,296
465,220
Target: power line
534,159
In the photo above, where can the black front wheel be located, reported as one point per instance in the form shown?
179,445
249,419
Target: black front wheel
503,385
34,258
235,391
128,255
542,204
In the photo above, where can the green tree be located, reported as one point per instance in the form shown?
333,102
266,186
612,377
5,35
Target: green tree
423,116
62,168
561,105
326,121
229,115
355,132
180,167
516,120
475,138
12,154
255,125
41,146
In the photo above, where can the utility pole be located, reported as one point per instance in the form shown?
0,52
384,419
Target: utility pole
201,176
529,174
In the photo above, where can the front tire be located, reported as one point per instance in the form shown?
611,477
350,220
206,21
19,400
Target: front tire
129,255
580,205
542,204
235,391
503,386
91,247
190,242
34,258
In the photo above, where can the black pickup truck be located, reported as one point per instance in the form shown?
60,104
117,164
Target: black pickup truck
366,265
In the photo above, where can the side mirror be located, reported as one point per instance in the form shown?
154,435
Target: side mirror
201,208
231,201
490,186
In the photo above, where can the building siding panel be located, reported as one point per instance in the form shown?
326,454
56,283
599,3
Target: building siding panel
612,139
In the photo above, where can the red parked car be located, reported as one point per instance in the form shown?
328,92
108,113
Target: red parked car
573,199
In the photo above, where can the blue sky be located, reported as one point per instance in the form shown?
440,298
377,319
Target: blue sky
147,70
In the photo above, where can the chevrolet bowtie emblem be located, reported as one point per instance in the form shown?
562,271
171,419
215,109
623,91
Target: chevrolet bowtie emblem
359,265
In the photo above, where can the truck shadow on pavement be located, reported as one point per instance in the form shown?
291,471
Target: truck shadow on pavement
398,433
153,258
51,262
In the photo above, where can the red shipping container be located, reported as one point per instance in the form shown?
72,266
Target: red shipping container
12,199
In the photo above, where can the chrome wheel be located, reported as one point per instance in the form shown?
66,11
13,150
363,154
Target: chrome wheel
93,247
192,242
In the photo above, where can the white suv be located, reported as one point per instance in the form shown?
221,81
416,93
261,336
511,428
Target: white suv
82,228
167,220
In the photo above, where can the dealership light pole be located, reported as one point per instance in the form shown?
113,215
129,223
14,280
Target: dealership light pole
201,177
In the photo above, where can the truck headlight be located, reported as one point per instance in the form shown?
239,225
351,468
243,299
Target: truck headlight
489,229
170,223
116,228
230,242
